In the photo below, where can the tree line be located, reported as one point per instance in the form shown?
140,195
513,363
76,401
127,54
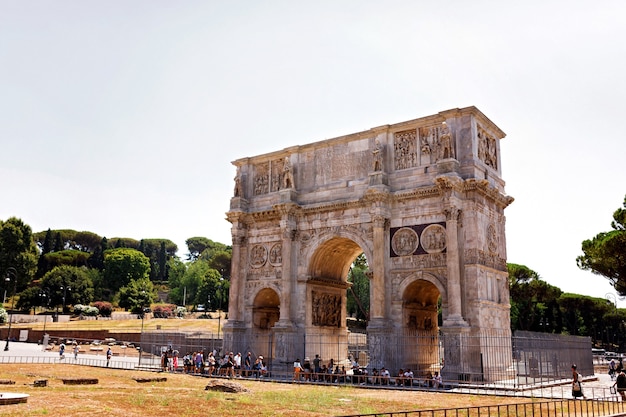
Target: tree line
56,269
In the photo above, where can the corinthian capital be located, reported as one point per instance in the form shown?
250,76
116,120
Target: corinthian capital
289,233
239,239
379,220
453,214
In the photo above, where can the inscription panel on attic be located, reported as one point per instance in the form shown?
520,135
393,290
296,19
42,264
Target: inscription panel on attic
339,162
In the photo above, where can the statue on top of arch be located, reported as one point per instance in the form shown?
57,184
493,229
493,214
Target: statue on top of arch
288,181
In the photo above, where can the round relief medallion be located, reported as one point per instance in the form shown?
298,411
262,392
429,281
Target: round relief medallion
434,238
492,238
258,256
276,254
404,241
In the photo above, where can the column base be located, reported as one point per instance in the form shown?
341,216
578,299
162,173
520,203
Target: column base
455,321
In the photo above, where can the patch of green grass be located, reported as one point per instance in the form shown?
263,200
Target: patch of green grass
138,400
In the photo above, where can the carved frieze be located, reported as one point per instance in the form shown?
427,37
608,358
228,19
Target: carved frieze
487,151
405,149
272,176
326,309
277,168
257,284
492,238
437,143
433,260
479,257
262,179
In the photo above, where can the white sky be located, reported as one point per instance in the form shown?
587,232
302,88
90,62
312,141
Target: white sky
122,117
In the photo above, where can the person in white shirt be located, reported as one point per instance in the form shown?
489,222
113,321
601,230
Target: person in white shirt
437,380
408,378
238,364
384,376
297,368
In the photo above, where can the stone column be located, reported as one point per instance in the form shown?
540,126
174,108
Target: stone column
236,285
455,312
234,335
288,232
378,295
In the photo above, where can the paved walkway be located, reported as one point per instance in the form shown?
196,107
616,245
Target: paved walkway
36,353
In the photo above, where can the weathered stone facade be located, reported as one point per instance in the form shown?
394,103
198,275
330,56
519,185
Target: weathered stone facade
423,200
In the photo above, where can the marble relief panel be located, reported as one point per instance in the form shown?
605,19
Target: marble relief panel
487,148
405,149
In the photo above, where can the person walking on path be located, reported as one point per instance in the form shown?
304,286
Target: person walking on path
577,389
620,383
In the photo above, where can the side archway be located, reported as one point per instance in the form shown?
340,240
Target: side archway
421,295
265,309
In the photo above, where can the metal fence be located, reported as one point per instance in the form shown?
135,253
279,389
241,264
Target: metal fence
527,363
525,358
584,408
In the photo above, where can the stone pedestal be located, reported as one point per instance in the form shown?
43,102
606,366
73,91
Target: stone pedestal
238,203
235,335
378,178
284,347
288,195
379,344
445,166
457,362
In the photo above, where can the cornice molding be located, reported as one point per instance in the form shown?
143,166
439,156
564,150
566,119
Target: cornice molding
483,187
328,282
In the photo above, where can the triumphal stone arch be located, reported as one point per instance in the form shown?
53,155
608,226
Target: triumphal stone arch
423,200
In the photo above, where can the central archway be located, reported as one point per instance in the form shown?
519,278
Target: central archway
326,330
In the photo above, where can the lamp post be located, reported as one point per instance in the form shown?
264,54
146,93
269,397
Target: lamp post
143,313
219,307
65,290
45,295
11,271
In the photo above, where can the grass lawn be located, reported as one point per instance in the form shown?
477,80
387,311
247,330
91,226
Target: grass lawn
117,394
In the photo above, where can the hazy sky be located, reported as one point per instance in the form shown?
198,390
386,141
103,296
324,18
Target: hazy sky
122,117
